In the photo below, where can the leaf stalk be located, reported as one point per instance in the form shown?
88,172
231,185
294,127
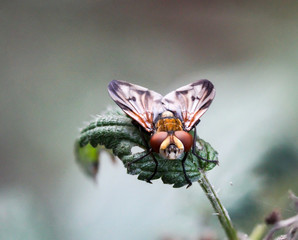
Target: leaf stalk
220,211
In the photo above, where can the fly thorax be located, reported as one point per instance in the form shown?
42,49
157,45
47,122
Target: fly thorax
168,124
167,114
171,148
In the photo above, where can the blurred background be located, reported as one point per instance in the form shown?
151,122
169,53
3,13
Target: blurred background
57,58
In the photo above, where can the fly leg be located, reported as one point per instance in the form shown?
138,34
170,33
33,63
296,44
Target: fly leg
183,167
194,148
156,164
149,152
155,169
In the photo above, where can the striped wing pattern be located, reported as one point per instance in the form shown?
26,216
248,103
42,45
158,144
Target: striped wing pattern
139,103
189,102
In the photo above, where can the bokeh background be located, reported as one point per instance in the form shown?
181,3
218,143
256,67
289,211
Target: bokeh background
56,60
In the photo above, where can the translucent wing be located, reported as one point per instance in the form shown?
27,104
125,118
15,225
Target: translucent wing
137,102
190,102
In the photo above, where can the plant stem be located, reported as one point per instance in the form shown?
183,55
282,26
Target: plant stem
258,232
221,212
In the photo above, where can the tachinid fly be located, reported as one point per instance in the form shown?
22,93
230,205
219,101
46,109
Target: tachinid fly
168,119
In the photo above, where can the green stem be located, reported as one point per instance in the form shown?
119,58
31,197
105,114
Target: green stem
258,232
221,212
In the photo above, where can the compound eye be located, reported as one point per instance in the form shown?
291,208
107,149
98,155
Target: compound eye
157,139
185,138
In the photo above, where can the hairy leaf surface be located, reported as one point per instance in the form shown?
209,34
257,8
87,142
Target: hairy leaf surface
115,132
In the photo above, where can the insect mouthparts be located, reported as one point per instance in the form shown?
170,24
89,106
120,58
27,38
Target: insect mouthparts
171,152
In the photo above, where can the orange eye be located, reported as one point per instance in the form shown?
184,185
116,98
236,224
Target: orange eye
157,139
185,138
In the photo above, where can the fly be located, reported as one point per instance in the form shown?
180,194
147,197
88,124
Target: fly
168,119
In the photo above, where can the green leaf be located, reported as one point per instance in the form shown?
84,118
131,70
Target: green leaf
88,158
114,131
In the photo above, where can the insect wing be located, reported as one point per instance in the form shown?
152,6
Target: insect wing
190,102
139,103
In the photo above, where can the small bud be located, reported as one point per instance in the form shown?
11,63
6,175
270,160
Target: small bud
273,217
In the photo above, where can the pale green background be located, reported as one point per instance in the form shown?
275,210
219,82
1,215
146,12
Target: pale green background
56,60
